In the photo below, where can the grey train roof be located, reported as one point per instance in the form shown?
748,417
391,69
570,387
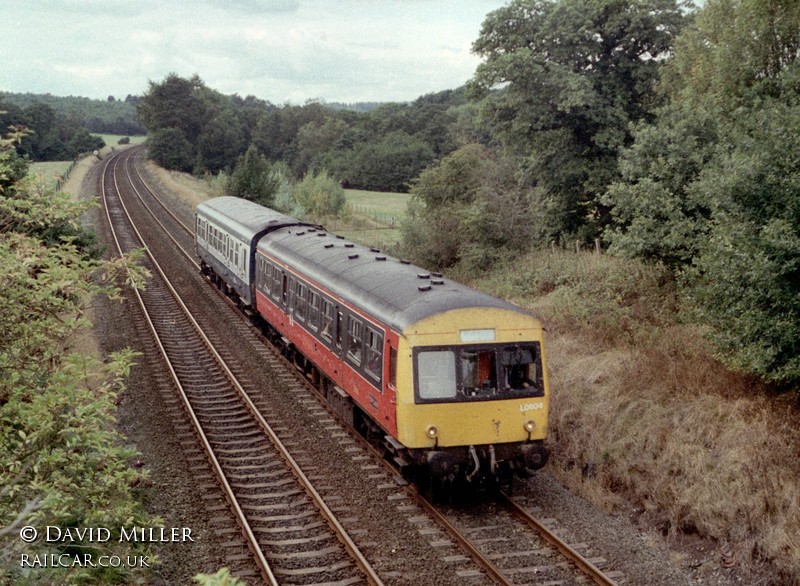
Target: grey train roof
242,218
396,293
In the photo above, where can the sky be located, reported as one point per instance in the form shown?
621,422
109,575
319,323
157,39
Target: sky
283,51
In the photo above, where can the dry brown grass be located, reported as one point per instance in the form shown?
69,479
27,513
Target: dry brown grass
642,412
186,191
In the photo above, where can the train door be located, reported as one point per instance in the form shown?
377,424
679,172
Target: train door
339,329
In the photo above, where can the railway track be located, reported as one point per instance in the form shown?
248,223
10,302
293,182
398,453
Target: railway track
292,534
499,540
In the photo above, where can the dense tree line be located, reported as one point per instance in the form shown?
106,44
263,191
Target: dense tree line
711,187
49,136
666,130
109,116
194,128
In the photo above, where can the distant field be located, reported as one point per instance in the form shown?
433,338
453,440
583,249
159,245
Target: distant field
113,139
374,218
386,208
50,171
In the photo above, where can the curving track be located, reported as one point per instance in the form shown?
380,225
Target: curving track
292,534
502,541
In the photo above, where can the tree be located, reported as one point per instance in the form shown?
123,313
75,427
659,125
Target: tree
169,148
736,51
657,210
175,103
713,187
746,277
220,143
468,208
563,79
252,179
319,195
386,165
313,140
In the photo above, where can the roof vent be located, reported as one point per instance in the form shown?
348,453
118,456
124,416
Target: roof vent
380,257
349,245
329,245
352,256
424,287
423,275
437,281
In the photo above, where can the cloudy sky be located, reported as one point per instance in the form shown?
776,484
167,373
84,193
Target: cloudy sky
277,50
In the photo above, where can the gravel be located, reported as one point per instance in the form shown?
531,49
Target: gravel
375,508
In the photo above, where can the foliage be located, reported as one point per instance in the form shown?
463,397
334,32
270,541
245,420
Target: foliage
712,187
314,140
746,277
61,461
221,142
386,165
252,179
736,51
658,213
176,103
170,149
319,195
49,136
467,208
221,578
381,149
110,116
563,79
196,119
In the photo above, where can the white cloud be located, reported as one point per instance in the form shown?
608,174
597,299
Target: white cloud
278,50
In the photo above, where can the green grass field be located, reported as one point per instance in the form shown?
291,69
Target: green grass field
50,171
113,139
374,218
385,208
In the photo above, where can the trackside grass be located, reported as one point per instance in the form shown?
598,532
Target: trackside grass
642,413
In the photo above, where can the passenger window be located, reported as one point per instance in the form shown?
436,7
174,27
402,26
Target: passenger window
339,321
300,302
436,374
478,372
327,320
276,283
354,340
313,309
373,350
393,367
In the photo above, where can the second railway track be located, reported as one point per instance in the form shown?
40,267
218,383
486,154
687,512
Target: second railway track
289,529
246,460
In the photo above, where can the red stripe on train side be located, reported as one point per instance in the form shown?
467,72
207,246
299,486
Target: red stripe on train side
381,406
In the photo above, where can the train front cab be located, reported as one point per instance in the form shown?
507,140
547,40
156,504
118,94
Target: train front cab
472,398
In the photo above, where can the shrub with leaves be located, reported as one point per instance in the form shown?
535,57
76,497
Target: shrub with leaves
61,461
320,195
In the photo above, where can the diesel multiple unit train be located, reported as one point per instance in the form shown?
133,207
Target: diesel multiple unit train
450,381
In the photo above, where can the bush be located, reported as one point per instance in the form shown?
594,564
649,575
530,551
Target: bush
319,195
